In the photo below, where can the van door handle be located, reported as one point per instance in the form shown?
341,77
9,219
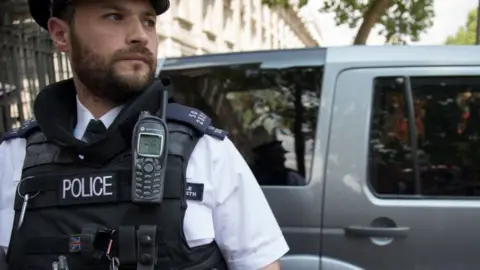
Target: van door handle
365,231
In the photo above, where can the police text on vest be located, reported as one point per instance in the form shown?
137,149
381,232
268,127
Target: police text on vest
88,189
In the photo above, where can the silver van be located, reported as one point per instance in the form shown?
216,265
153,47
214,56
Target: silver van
369,156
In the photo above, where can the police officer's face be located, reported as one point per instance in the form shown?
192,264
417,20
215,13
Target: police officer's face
112,45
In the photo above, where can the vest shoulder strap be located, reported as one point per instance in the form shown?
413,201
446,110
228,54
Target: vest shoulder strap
194,118
27,128
175,112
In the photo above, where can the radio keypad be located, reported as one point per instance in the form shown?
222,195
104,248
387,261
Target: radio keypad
148,177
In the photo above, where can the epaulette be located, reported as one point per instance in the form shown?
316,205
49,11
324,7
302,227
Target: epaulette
23,131
195,118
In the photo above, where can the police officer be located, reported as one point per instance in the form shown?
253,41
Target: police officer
65,178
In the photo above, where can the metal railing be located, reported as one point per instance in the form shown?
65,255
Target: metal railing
28,63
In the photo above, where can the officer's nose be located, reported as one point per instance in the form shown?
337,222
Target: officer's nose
137,33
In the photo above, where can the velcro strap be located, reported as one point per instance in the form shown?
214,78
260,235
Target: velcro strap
48,245
62,245
123,245
88,188
127,243
147,247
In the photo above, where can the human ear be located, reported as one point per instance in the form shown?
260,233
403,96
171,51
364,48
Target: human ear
58,30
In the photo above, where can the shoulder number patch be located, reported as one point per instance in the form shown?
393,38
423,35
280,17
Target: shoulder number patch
194,191
195,118
22,131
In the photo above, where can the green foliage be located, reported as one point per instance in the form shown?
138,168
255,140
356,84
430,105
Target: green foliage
283,3
466,35
403,19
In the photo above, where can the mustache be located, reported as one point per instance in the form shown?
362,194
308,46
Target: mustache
136,49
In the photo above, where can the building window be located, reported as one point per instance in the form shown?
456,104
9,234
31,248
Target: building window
425,137
227,4
229,45
228,25
187,50
208,15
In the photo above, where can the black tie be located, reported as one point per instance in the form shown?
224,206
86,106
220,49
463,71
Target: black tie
95,130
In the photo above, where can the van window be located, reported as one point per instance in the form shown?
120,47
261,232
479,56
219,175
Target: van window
425,137
270,114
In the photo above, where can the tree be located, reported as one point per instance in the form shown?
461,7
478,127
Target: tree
402,19
466,35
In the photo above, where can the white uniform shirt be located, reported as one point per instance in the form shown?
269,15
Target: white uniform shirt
234,210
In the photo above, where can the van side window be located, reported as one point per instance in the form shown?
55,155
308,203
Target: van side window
270,114
425,141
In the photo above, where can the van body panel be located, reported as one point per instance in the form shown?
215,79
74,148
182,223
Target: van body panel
438,230
299,209
275,58
402,56
309,262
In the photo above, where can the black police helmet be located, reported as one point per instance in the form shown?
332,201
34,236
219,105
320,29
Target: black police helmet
41,10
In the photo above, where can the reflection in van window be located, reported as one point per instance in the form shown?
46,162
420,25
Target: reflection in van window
270,114
427,144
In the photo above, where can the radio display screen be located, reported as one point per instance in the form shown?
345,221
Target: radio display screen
150,145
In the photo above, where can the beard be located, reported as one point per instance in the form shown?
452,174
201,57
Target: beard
99,75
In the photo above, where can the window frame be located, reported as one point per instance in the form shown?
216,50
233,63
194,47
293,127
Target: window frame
407,74
269,60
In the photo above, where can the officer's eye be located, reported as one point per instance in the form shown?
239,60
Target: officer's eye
149,23
114,16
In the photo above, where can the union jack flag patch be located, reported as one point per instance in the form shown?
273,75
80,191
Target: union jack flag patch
74,244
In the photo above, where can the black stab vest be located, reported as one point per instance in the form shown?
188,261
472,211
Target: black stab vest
82,227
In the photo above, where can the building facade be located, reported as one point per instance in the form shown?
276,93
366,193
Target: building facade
212,26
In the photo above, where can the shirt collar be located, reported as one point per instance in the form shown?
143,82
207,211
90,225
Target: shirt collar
84,116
